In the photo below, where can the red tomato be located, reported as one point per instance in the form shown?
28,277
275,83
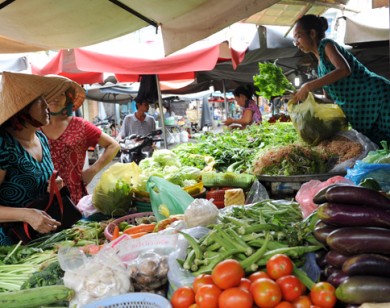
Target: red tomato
193,306
284,304
183,297
290,286
266,292
257,275
279,265
207,296
323,294
201,280
245,284
227,274
302,302
235,297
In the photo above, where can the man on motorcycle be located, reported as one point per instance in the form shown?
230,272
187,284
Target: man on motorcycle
139,123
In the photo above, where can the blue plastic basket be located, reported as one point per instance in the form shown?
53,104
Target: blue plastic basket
132,300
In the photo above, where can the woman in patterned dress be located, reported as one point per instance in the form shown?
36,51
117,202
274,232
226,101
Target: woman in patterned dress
69,138
363,95
25,162
251,113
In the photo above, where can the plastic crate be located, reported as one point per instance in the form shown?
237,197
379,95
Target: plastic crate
129,219
218,196
131,300
229,179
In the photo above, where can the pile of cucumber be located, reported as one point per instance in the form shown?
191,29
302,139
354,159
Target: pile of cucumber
354,225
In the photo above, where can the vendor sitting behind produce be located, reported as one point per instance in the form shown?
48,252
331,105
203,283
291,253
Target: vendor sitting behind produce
25,161
250,111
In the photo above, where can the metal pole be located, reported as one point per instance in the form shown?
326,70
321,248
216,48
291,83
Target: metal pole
160,105
225,99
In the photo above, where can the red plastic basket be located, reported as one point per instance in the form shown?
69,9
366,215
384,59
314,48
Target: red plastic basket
128,218
218,196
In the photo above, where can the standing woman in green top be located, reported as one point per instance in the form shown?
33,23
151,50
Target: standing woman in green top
363,95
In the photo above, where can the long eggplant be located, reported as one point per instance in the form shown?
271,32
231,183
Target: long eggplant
322,231
336,278
364,289
335,258
367,264
344,215
320,198
357,195
357,240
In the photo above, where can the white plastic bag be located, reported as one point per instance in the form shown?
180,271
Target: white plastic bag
93,278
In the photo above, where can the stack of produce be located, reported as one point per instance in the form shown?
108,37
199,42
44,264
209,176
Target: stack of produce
355,226
279,285
252,235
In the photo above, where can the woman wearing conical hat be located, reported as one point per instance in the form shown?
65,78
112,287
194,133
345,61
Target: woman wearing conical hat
25,161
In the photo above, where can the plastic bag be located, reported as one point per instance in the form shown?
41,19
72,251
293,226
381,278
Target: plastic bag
309,189
177,275
113,193
257,193
167,198
378,172
364,141
315,122
86,207
93,278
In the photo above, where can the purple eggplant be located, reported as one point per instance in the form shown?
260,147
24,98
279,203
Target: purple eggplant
358,240
322,231
367,264
357,195
335,258
336,278
344,215
320,197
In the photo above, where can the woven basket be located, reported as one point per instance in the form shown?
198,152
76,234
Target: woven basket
132,300
129,219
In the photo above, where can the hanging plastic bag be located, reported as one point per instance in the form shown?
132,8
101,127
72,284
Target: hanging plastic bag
315,122
167,198
378,172
112,195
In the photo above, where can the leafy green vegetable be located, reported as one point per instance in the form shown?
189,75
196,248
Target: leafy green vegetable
51,275
238,147
271,81
380,156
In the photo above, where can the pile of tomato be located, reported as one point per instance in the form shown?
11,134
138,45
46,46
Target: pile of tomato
276,287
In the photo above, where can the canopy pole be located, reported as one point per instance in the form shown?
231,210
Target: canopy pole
160,106
225,99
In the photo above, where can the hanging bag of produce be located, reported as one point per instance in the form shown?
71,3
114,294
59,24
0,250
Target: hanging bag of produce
57,203
315,122
167,198
112,195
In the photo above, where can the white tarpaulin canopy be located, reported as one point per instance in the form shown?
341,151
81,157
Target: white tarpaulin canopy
32,25
368,26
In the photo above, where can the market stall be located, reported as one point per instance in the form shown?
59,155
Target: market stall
157,231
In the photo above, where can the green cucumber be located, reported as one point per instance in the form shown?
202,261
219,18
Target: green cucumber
36,297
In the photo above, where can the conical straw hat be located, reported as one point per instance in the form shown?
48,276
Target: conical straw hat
63,84
17,90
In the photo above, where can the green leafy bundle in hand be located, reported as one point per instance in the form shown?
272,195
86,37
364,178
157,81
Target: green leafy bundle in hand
271,81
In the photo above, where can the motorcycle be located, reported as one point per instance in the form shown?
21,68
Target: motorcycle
135,148
93,154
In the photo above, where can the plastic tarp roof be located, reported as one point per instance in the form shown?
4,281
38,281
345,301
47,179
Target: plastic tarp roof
32,25
286,12
86,67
